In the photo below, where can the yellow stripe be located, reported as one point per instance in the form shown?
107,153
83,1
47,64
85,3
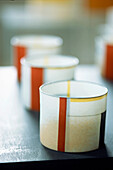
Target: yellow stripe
35,46
88,99
68,88
55,68
46,61
51,1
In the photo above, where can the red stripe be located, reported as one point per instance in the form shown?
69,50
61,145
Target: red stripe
36,82
109,62
62,124
19,52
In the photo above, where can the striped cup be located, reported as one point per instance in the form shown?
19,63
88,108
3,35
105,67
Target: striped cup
38,70
72,115
34,44
104,55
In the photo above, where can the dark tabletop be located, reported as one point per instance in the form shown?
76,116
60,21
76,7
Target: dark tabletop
19,128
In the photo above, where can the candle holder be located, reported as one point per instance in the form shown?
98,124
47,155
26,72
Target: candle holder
72,115
38,70
34,44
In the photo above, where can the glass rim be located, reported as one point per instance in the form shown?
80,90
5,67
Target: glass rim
15,40
74,63
92,98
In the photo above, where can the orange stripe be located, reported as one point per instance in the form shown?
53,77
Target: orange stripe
62,124
36,82
15,56
109,62
19,52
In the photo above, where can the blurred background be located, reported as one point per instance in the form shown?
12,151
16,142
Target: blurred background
78,22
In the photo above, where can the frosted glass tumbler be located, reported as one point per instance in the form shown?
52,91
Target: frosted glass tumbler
34,44
72,115
36,71
104,55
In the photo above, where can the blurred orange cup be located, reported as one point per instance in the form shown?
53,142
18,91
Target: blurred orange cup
34,44
104,55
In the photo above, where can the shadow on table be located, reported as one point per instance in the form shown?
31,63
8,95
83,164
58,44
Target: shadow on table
35,116
93,160
99,153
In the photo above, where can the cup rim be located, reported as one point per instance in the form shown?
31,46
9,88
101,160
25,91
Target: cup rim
73,64
16,40
97,97
105,39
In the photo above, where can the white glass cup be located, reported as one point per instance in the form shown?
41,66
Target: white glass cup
72,115
38,70
34,44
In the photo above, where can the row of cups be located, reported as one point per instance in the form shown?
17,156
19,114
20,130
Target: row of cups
38,61
72,113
